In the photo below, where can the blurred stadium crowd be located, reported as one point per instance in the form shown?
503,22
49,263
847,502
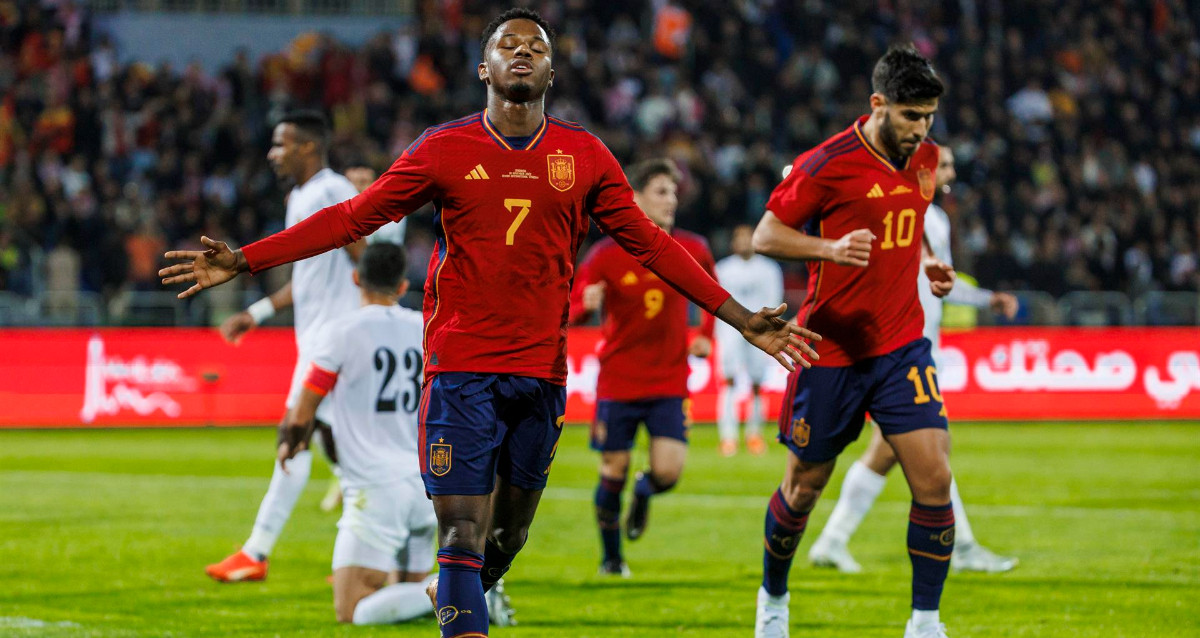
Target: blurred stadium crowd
1076,125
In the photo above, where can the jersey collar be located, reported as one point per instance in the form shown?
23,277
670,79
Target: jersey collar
874,152
500,139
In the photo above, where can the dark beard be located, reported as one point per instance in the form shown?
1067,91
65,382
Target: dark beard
887,135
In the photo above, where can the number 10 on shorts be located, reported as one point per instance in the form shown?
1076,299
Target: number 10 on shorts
914,375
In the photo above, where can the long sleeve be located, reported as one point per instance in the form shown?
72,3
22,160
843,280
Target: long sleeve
404,188
615,213
708,321
968,294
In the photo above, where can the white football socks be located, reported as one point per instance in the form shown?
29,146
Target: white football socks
755,422
962,528
727,421
278,503
860,488
393,604
925,618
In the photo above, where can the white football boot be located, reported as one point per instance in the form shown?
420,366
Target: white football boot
771,619
927,631
977,558
827,552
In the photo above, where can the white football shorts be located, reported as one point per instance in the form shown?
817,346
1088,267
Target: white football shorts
388,528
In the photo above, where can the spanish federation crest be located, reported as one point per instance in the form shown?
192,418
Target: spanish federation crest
439,458
562,171
800,433
925,179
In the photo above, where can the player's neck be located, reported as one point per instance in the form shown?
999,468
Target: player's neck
310,169
515,119
372,299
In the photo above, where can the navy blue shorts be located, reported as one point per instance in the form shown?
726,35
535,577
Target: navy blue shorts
616,422
474,426
824,408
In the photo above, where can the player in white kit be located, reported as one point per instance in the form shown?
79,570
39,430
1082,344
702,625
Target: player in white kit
370,365
755,282
320,291
865,478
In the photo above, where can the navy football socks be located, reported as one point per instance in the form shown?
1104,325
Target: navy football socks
495,564
647,486
781,535
461,609
608,516
930,543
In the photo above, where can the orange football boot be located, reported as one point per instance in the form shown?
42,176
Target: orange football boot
728,447
238,567
756,445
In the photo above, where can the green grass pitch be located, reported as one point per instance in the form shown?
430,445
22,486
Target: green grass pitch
106,533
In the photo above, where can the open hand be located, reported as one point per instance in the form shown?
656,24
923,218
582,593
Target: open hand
204,268
701,346
941,276
785,341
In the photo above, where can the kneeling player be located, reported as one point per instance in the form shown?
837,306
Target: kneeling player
385,544
643,363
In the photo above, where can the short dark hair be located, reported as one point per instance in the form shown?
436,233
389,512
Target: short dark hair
311,125
515,13
641,173
904,76
382,267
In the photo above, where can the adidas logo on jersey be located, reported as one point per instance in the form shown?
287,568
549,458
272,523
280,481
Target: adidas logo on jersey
900,190
875,191
478,173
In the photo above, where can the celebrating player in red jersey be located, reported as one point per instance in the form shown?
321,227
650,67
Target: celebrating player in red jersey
513,191
643,363
872,182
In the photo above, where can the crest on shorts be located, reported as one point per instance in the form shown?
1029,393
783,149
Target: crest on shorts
800,432
439,458
925,179
562,171
599,432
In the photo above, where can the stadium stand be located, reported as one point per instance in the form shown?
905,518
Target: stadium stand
1077,135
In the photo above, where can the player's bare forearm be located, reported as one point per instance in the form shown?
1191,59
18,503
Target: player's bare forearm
298,426
281,298
777,240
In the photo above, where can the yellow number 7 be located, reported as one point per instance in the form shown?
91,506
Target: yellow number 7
512,204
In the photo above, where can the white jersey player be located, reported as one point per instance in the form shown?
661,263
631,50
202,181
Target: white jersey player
320,292
755,282
370,365
865,478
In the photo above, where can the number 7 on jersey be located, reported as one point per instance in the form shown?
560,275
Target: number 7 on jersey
511,205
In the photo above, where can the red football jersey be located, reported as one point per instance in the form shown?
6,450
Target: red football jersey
646,334
509,223
838,187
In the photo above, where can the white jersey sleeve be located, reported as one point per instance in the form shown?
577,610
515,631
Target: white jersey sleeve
377,394
937,234
391,233
322,286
